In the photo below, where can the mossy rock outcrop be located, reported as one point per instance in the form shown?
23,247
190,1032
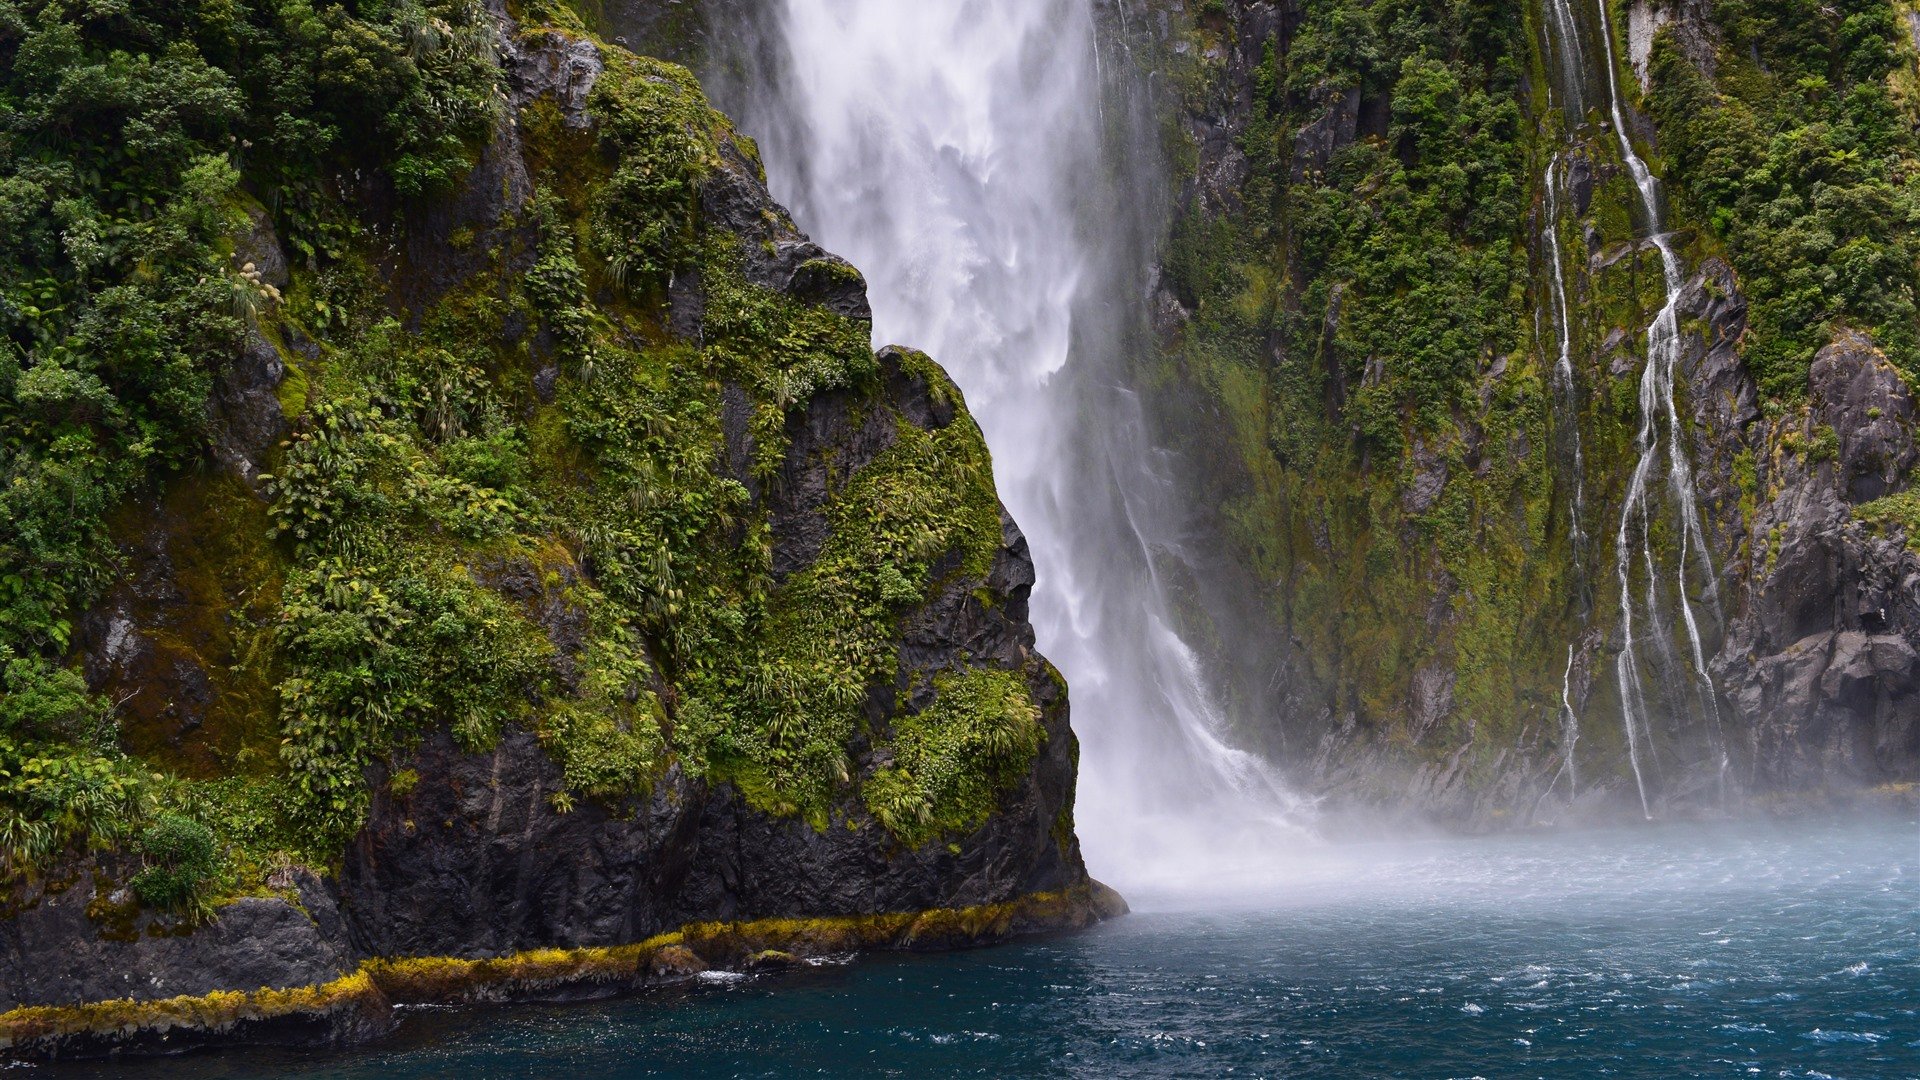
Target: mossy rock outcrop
561,568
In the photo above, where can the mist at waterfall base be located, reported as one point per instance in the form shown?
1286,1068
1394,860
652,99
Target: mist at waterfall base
1656,951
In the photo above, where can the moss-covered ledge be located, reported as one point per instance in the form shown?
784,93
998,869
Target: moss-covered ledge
359,1006
348,1009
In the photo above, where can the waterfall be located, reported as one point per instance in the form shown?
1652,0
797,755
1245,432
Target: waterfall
1567,390
1656,399
953,150
1571,725
1566,384
1564,37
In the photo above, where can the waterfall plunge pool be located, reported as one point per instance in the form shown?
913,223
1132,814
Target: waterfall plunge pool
1775,950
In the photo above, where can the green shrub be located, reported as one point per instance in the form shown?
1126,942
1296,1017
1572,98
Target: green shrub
373,657
603,753
1897,511
180,857
656,119
44,702
451,550
952,760
63,779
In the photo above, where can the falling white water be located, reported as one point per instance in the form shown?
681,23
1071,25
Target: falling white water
1656,398
1566,387
1564,36
1572,721
1564,379
952,150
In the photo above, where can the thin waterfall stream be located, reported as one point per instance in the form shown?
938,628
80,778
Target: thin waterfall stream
1570,94
954,152
1656,400
1566,388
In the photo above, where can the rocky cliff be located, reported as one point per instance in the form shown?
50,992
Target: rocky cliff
548,592
1359,362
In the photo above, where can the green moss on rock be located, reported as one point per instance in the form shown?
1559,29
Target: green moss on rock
954,758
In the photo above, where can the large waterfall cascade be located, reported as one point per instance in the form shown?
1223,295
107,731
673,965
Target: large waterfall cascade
1634,538
954,152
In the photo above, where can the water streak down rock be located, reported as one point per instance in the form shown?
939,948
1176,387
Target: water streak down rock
1656,402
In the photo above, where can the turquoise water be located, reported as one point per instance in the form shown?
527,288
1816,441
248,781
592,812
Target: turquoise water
1784,951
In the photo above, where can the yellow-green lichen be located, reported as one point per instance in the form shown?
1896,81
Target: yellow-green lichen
41,1029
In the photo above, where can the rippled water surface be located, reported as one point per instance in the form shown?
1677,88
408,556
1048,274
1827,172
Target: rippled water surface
1662,951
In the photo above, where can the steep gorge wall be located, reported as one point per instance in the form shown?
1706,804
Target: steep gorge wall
1359,339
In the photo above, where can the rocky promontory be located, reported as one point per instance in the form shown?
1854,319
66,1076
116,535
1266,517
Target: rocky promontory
560,597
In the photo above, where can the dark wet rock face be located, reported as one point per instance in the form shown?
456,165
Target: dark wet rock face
247,417
1366,690
1338,126
259,248
116,950
1819,664
1725,402
1429,480
778,255
1863,399
558,67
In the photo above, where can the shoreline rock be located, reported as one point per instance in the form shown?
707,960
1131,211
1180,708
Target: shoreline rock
360,1006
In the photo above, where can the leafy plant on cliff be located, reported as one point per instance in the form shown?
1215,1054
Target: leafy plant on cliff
180,855
1898,511
1362,324
952,759
920,512
128,132
63,778
656,118
518,499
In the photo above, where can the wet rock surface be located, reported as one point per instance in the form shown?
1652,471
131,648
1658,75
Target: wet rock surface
778,255
481,864
115,950
1819,663
1811,610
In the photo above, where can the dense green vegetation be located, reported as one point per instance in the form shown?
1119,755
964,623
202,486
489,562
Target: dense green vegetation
1799,158
455,538
125,131
952,760
62,776
1384,281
